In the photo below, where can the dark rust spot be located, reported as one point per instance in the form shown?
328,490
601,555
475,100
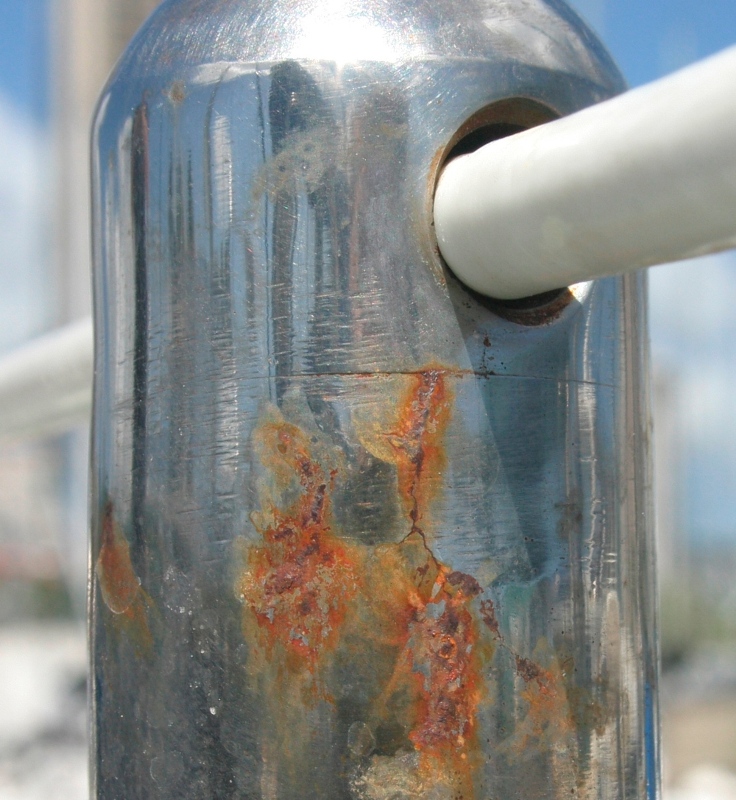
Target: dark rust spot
439,664
488,615
447,672
418,439
177,93
544,690
465,583
300,579
548,710
529,671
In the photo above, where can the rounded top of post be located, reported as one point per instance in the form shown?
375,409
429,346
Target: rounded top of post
182,34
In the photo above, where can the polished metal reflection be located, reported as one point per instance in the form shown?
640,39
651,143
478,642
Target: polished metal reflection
280,354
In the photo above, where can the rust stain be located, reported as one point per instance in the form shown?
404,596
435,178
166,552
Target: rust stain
586,708
488,614
120,588
409,432
443,642
548,708
312,599
440,658
177,93
442,637
442,633
425,610
586,711
528,671
417,441
299,581
549,711
533,311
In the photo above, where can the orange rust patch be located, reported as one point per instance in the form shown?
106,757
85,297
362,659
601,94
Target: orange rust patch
119,586
417,439
549,711
401,579
442,634
437,683
297,585
313,600
549,715
442,638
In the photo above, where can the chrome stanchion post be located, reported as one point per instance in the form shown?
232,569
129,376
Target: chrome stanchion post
357,532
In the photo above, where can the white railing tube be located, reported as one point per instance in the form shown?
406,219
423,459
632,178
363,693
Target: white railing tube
46,385
645,178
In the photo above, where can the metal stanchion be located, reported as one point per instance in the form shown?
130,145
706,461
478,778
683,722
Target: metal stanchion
357,532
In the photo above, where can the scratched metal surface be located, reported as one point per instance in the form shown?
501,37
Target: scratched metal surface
355,534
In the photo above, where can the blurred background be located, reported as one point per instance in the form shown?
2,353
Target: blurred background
54,57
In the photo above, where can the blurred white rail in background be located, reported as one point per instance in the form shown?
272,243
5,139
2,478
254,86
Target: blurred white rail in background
645,178
46,385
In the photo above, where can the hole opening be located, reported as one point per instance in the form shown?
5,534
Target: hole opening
496,121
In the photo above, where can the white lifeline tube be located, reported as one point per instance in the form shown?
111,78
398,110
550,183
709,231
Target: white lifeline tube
46,385
645,178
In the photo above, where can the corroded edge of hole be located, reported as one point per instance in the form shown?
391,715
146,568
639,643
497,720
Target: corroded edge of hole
493,122
538,309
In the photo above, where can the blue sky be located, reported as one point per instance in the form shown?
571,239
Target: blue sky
24,55
26,172
649,38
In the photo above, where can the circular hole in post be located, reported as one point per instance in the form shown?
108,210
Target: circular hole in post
496,121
